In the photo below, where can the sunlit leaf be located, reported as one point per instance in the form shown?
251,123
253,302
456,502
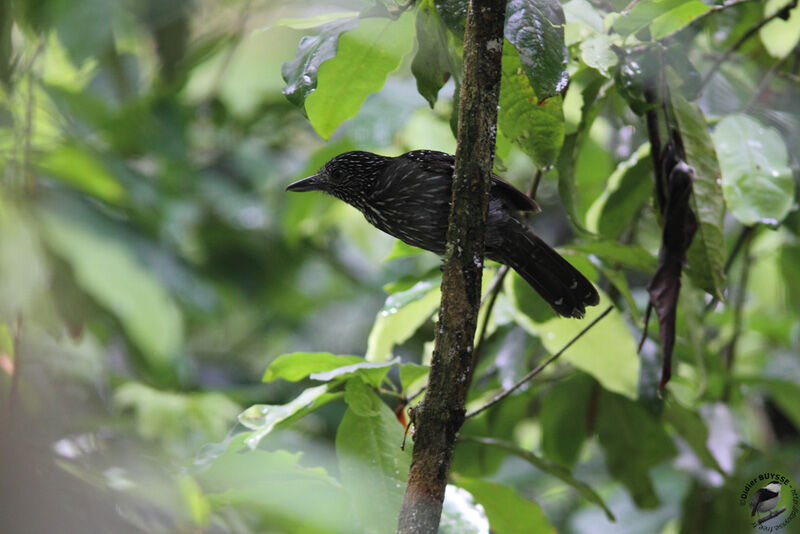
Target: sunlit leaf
664,17
780,36
298,365
607,351
756,179
365,56
400,317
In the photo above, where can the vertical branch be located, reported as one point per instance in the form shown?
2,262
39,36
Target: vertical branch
441,414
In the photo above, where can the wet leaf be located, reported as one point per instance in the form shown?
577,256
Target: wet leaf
536,29
298,365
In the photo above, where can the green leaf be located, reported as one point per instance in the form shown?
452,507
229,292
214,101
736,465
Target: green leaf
77,167
756,179
536,30
629,256
402,250
664,17
567,400
780,36
273,483
617,370
108,271
372,372
634,442
361,399
364,59
590,82
306,23
706,255
301,72
550,468
508,512
432,63
373,469
583,21
597,53
627,189
298,365
537,127
263,418
401,316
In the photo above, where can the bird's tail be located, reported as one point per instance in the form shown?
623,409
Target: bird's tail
564,288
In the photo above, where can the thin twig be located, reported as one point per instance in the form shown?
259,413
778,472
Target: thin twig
772,515
540,367
781,13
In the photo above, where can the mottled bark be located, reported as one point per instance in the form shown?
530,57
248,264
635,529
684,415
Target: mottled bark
441,414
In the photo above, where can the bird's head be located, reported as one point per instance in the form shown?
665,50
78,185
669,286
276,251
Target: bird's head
348,176
774,487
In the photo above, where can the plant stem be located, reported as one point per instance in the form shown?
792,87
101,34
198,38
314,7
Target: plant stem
440,415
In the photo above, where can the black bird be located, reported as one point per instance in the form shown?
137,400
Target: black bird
409,198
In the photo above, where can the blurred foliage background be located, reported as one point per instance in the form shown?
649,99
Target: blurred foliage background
152,268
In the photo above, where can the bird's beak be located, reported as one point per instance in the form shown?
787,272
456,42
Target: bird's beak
309,183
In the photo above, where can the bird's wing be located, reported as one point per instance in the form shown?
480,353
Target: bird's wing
441,162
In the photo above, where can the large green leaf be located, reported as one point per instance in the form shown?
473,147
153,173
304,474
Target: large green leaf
536,126
627,189
664,17
365,56
536,29
298,365
273,483
507,510
691,427
780,36
756,179
550,468
373,468
706,255
433,62
108,271
634,442
401,316
607,351
300,73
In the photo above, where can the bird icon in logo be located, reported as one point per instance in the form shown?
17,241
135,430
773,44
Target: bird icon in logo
765,498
